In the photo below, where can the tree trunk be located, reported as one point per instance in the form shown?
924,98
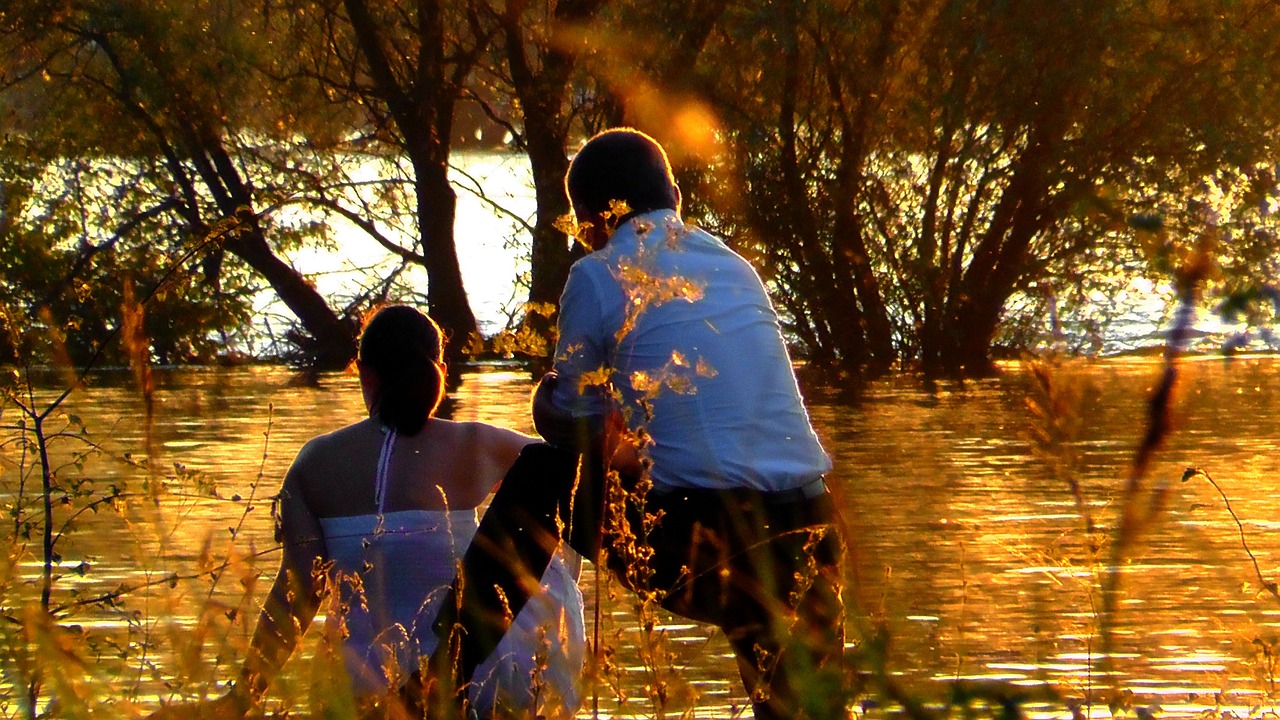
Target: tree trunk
852,260
843,322
329,342
421,105
446,295
967,352
851,255
541,95
551,256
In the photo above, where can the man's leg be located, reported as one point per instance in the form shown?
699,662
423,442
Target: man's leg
793,658
779,603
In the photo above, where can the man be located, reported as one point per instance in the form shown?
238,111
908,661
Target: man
668,341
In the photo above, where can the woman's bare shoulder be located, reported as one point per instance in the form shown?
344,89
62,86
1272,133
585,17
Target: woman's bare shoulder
323,450
484,432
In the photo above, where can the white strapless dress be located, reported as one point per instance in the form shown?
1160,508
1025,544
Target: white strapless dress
393,579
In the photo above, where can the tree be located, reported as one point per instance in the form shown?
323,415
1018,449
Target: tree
923,163
541,50
405,66
1045,112
68,276
149,84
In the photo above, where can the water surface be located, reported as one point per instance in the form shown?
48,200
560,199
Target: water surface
969,547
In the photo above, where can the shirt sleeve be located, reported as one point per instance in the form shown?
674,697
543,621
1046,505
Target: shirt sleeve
581,360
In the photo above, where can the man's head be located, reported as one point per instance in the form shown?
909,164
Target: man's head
620,165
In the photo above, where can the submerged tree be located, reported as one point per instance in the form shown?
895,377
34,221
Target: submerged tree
151,88
924,163
537,70
912,178
405,67
72,262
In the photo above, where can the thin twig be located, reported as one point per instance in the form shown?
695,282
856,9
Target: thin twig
1269,585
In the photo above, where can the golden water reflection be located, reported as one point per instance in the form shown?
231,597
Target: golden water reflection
970,552
974,552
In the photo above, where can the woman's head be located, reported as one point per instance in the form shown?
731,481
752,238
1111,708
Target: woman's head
401,368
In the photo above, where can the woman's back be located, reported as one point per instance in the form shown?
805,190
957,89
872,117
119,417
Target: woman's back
393,571
446,466
397,514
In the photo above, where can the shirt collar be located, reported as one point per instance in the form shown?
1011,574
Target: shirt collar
635,226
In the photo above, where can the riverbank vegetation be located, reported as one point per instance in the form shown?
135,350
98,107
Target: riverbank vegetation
152,568
129,583
923,185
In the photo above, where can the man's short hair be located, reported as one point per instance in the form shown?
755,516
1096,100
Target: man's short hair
621,164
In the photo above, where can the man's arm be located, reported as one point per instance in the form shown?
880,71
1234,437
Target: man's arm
572,401
560,427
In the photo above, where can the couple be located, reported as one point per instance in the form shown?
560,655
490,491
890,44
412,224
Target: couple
677,448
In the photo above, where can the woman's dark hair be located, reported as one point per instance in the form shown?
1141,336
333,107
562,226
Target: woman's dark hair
402,347
621,164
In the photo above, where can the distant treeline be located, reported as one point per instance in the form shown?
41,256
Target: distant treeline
921,183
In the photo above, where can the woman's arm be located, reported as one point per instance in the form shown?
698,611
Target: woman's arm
295,594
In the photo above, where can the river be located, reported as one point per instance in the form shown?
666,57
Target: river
969,548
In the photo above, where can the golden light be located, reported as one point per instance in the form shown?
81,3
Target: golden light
685,125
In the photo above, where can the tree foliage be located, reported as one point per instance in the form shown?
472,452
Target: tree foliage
920,181
908,168
78,240
146,87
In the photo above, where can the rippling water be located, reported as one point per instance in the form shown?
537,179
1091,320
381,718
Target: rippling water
970,552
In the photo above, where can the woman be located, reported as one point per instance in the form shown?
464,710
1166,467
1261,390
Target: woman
383,510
